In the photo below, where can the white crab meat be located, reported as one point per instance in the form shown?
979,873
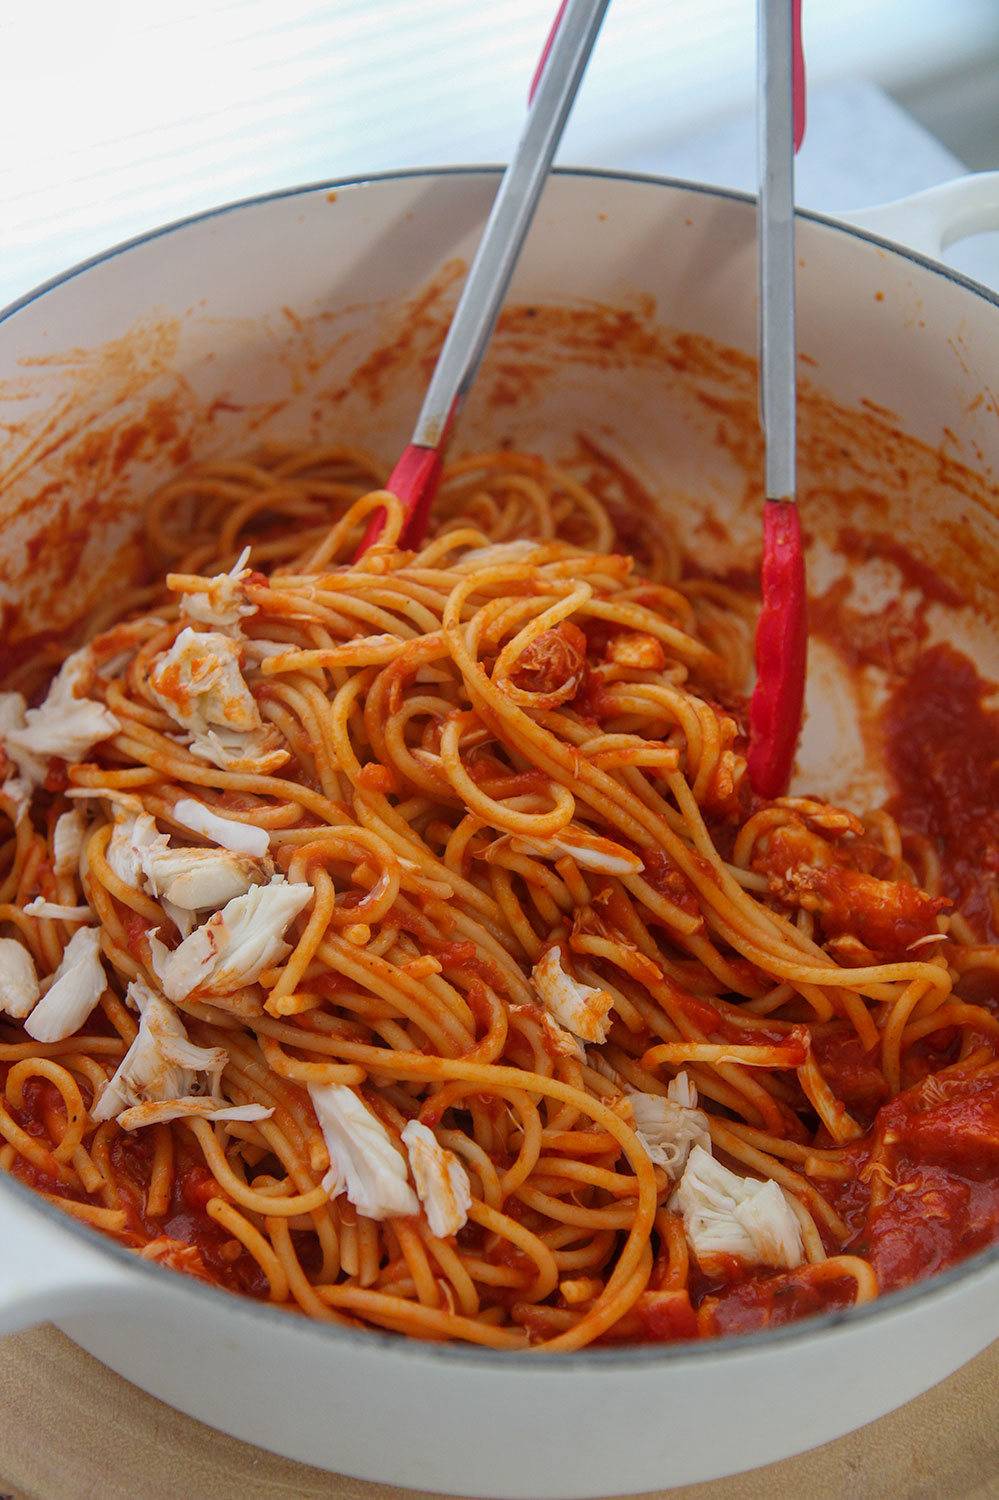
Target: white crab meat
191,1107
198,878
364,1163
496,554
563,1041
228,749
163,1068
161,1063
223,602
599,1064
682,1090
198,682
580,1008
635,648
241,838
592,851
132,835
67,723
58,911
725,1215
669,1129
441,1180
19,987
77,986
235,945
67,840
12,709
18,792
17,789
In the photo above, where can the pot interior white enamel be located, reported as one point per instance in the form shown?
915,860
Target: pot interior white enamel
631,321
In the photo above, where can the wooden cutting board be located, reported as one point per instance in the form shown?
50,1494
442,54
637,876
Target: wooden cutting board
72,1430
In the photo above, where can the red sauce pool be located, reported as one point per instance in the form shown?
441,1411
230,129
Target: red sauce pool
942,747
942,1160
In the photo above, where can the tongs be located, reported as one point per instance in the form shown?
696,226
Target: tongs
415,477
782,631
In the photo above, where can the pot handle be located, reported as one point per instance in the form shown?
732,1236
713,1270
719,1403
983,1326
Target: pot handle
47,1271
933,220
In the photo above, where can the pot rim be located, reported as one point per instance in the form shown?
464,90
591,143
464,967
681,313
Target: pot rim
625,1358
403,174
634,1358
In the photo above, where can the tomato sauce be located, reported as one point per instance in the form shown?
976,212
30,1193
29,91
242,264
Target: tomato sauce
553,664
465,956
222,1258
941,1165
378,778
772,1301
887,917
662,874
862,546
217,1256
853,1074
937,1147
41,651
665,1317
942,747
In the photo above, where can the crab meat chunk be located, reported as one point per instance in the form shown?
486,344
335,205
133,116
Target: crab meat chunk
67,840
15,788
580,1008
58,911
235,945
726,1215
131,836
67,723
241,838
441,1180
198,682
77,986
18,792
222,602
198,878
163,1068
231,750
19,987
364,1162
12,710
191,1107
591,851
668,1126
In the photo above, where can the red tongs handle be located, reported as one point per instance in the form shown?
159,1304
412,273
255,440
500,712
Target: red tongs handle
778,699
777,705
545,51
556,82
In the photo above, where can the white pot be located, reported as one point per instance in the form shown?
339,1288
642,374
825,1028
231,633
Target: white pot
297,315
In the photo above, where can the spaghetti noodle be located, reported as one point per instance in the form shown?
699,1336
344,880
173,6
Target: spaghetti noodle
398,941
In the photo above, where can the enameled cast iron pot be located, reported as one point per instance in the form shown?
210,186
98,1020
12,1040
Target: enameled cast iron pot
632,321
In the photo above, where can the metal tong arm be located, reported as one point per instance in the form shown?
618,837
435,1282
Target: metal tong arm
513,208
775,122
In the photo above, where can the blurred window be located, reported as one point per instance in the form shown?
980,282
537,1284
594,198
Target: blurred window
118,115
